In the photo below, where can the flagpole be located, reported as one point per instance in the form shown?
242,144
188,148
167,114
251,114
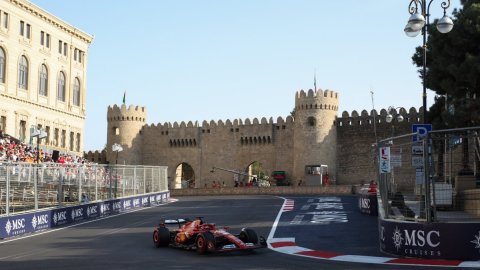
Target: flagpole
315,79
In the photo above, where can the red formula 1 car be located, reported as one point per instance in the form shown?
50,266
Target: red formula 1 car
205,237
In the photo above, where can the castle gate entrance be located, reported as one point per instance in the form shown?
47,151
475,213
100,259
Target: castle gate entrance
255,169
184,176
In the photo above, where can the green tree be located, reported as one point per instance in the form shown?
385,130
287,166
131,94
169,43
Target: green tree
453,69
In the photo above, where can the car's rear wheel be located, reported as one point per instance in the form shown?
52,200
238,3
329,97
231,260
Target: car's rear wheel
205,242
248,236
161,237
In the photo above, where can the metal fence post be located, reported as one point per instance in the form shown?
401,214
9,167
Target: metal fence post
124,181
79,174
35,185
135,181
144,179
96,182
7,204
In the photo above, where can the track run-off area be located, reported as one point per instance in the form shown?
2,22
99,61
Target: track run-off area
300,236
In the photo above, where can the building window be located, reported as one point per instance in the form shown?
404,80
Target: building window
63,139
61,87
23,73
60,46
47,130
2,65
28,31
3,123
47,41
78,142
77,55
311,121
42,38
65,49
22,28
25,29
76,92
22,130
43,87
72,137
5,20
55,137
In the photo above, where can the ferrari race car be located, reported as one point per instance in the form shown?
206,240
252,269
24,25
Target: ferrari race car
205,237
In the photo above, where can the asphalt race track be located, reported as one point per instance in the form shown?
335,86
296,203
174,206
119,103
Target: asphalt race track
125,241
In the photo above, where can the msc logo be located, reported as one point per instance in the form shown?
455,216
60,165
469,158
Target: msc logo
364,203
127,204
92,210
420,238
39,221
60,217
77,213
117,206
145,201
105,208
136,202
416,238
15,226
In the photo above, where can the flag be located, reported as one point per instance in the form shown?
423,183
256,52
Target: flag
315,80
124,94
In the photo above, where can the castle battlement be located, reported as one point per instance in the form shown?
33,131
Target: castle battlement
364,118
122,113
320,100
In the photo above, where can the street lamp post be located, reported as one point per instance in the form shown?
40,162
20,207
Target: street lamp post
39,134
116,148
389,118
419,22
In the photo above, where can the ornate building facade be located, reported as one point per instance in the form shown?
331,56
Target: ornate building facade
43,73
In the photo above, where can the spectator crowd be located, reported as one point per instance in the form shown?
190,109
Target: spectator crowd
13,150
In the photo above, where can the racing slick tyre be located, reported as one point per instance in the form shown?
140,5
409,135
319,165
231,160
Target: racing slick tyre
248,236
161,237
205,242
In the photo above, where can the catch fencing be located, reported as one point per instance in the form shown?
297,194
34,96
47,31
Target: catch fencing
431,178
27,187
429,194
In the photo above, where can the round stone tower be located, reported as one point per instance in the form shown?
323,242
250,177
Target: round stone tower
315,135
125,128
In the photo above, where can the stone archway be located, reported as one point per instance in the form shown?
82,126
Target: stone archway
254,168
184,176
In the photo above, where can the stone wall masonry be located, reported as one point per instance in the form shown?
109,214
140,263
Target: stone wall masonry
315,137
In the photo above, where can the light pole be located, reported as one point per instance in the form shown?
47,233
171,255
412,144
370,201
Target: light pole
116,148
419,22
389,118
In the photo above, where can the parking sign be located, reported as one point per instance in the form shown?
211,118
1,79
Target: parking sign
384,160
422,129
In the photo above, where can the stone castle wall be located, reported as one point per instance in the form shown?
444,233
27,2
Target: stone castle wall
356,134
316,136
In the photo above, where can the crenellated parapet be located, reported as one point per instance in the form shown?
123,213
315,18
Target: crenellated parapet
319,100
367,118
122,113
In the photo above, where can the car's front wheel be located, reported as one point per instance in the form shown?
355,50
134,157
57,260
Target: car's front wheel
248,236
205,242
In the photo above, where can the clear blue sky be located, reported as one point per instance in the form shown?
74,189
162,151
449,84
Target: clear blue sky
195,60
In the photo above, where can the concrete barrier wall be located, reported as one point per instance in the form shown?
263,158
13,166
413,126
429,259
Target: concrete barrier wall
277,191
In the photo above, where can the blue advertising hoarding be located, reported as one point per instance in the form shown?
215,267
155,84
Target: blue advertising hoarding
15,225
458,241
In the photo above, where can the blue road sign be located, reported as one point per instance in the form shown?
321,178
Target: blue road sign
422,129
